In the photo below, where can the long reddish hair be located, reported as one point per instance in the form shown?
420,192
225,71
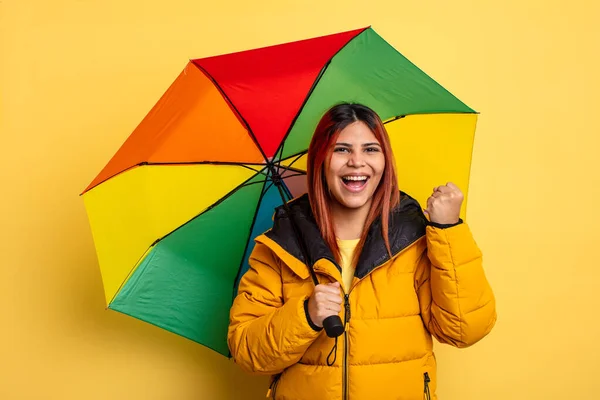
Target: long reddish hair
385,197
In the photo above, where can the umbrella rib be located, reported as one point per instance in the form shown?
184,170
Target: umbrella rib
149,250
200,162
312,88
265,188
298,156
250,184
287,189
397,117
148,163
239,271
222,199
224,163
293,175
235,110
235,164
292,169
269,186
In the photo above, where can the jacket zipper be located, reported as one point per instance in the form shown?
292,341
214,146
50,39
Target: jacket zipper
347,316
426,392
345,366
345,394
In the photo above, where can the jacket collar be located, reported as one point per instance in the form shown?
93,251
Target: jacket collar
407,224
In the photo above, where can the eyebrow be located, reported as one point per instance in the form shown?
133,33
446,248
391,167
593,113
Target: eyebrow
364,145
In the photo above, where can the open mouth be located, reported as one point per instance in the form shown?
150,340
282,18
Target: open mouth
355,182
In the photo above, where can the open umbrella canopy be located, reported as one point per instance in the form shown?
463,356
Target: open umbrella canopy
175,211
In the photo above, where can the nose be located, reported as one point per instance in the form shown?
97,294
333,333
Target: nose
356,160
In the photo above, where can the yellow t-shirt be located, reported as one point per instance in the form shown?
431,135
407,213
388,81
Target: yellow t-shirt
347,252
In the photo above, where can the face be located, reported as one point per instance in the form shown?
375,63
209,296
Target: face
355,168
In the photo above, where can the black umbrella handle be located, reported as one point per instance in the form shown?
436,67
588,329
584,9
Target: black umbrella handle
333,324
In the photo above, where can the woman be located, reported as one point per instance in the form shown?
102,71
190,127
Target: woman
395,277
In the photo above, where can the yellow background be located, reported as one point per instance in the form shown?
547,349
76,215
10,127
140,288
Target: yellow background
77,77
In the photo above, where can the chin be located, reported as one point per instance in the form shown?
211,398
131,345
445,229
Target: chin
353,203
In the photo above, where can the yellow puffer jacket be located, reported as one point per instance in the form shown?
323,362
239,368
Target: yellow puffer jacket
434,285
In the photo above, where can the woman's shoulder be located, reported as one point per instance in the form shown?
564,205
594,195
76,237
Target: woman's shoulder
264,250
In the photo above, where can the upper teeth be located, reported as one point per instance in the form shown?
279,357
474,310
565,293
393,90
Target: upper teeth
355,178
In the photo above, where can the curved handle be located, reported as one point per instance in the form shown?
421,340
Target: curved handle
333,326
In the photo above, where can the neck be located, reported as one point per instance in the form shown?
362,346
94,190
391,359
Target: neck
349,222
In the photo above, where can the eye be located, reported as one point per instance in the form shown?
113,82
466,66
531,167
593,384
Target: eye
340,150
372,149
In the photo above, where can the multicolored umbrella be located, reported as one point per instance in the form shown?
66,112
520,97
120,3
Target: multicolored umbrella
174,212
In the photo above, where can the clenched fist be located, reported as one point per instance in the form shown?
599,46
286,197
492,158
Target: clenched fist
325,301
443,207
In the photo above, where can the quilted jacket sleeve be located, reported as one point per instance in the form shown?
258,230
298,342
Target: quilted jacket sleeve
266,334
457,303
